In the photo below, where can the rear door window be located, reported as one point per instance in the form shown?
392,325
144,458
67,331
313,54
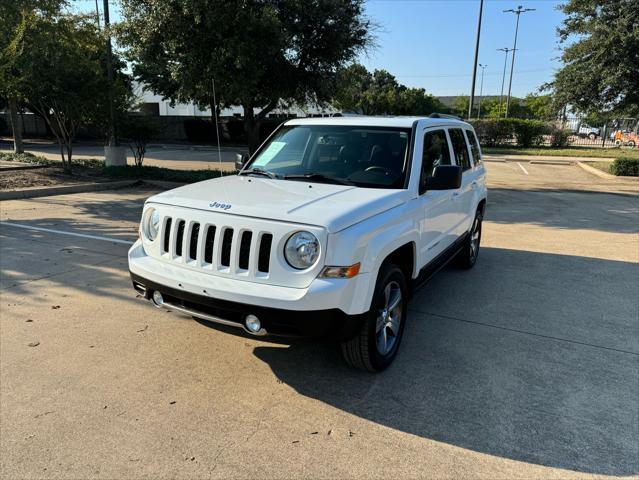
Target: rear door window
460,149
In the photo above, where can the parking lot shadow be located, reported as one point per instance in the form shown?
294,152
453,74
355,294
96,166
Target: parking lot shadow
566,209
538,389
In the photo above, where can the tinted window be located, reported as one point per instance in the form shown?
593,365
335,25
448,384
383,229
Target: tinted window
459,148
435,152
364,156
474,146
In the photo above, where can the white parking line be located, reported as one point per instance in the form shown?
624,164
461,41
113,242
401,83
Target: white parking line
522,168
73,234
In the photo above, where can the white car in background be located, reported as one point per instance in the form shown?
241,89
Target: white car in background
326,231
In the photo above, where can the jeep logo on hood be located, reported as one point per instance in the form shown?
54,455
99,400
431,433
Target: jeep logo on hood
221,206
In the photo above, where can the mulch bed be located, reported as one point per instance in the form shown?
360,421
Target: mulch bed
49,176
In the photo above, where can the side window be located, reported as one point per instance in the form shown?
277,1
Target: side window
435,152
459,148
474,146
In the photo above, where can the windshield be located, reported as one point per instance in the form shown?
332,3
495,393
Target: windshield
373,157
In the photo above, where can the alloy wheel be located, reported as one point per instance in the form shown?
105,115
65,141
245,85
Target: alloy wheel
389,318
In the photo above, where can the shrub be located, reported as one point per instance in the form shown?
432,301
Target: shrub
559,137
625,166
493,133
139,130
529,132
200,130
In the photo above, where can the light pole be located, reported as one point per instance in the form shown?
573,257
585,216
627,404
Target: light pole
114,154
97,14
481,89
517,12
472,88
503,77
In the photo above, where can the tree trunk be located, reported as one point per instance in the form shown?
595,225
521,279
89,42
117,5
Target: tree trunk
15,126
252,128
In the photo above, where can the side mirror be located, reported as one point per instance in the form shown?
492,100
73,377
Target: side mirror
240,160
445,177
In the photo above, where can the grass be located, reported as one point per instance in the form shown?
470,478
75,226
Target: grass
592,152
603,166
120,172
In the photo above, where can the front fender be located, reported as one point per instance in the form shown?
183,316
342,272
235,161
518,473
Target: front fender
370,242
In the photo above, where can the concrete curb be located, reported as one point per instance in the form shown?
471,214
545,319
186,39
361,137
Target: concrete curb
64,189
607,176
596,171
164,184
22,167
551,162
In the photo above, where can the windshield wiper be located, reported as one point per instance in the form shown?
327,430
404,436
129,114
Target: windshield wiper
318,177
258,171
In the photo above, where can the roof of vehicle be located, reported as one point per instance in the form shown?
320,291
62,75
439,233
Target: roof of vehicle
364,121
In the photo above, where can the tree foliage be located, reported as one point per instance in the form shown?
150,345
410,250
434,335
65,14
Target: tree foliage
57,66
379,93
600,57
258,52
13,13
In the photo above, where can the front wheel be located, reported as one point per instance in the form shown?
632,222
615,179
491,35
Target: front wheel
377,342
467,257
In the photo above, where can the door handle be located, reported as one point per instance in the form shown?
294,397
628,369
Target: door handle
473,184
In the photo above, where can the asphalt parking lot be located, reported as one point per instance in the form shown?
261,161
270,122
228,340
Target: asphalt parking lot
526,366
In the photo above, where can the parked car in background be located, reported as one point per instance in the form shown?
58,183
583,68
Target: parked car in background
585,130
326,231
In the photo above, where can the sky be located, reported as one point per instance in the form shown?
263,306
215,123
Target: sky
431,43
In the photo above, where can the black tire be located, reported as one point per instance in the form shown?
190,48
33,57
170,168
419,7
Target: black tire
592,136
467,256
363,350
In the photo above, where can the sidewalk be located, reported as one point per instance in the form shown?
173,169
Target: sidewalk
174,156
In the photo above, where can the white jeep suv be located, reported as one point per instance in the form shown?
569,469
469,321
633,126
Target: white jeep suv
325,231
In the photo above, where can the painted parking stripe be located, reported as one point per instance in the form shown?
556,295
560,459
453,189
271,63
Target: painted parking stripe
73,234
522,168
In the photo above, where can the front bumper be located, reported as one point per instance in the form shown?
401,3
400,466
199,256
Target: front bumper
331,323
328,307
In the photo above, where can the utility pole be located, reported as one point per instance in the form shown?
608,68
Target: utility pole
481,89
503,77
517,12
472,88
97,14
113,153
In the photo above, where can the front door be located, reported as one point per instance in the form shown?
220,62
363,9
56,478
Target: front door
438,220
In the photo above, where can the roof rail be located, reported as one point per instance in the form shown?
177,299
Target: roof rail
444,115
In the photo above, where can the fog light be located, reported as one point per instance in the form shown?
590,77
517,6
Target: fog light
158,300
252,323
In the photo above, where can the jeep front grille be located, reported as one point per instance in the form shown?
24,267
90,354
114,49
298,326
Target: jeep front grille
216,246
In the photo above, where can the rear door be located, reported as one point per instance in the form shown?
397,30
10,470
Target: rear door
463,197
438,218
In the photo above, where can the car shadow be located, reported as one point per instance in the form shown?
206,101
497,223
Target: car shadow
529,389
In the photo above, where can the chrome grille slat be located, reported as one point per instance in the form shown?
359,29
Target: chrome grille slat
252,250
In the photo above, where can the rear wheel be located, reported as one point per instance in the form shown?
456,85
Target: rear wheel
467,257
592,136
376,344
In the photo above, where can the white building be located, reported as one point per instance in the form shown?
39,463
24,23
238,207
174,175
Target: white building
154,104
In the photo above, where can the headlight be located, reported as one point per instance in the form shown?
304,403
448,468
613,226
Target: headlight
151,224
302,250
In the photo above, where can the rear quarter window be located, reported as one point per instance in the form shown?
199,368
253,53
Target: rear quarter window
474,146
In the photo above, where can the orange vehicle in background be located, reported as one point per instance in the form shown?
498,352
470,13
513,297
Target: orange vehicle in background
628,133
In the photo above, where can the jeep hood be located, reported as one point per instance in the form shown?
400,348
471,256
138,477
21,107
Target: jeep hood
334,207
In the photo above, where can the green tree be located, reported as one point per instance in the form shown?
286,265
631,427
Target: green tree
379,93
58,68
600,70
13,14
258,53
540,107
460,106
